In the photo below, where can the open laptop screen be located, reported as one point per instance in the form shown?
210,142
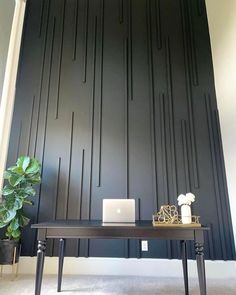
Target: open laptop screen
118,210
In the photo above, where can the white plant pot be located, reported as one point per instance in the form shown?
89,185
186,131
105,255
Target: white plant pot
186,215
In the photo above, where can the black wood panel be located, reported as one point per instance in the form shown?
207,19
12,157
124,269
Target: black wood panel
116,99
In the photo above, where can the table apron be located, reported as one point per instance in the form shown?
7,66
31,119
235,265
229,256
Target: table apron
106,233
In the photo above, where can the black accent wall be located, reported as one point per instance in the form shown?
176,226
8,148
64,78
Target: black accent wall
116,98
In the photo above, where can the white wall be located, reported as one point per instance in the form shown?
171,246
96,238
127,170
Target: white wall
6,16
222,27
8,88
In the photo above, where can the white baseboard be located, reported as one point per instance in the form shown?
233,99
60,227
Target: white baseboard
127,267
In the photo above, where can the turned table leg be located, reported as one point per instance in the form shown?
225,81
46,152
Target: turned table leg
60,264
185,266
199,252
40,263
201,267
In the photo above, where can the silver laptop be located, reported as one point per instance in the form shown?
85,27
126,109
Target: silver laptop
118,210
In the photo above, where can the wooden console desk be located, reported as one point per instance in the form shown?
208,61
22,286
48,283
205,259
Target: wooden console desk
74,229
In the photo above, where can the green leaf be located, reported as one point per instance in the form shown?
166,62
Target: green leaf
20,161
29,191
34,167
17,170
2,209
14,225
8,215
16,234
9,202
34,180
7,190
23,220
26,163
18,203
6,174
11,168
14,180
9,229
13,234
2,224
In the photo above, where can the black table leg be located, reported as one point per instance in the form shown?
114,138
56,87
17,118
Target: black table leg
60,264
199,247
185,266
39,268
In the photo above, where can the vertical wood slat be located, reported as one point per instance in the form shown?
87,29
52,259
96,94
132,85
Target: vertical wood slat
126,66
41,18
169,80
100,111
126,139
215,176
152,101
192,46
130,50
80,200
126,103
75,30
127,97
164,148
126,248
138,242
60,63
92,115
18,141
164,160
129,92
67,194
210,241
185,155
41,79
55,209
171,116
121,11
48,87
158,24
200,7
189,98
57,186
127,150
81,185
85,53
31,122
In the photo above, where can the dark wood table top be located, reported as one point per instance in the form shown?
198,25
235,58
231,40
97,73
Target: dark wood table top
98,229
147,224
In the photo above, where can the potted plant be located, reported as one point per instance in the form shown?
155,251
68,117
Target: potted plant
17,192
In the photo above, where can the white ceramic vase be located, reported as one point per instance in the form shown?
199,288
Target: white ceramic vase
186,215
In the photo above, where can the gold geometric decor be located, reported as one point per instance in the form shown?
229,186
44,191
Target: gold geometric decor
169,216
